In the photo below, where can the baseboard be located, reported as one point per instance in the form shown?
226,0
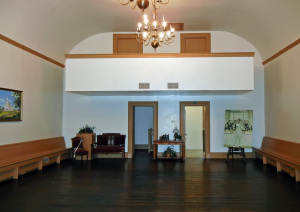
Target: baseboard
223,155
141,146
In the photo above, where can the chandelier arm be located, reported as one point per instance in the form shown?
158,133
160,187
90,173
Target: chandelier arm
162,2
154,4
169,40
153,31
133,5
147,41
124,2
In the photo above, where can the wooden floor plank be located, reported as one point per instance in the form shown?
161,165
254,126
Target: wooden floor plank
140,184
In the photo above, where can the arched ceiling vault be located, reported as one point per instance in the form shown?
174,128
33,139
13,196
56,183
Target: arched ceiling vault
54,27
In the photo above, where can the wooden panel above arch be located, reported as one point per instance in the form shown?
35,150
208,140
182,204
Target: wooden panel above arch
126,43
195,43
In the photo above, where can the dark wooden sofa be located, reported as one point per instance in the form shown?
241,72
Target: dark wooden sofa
284,155
109,143
19,158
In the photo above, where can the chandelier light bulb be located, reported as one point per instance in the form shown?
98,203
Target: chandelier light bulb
139,26
145,34
169,33
155,24
172,29
161,36
146,21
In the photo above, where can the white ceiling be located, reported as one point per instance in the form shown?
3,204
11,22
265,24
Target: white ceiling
54,27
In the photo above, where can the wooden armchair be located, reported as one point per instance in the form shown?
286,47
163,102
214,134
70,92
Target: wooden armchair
77,148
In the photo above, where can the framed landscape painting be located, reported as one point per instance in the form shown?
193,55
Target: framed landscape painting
10,105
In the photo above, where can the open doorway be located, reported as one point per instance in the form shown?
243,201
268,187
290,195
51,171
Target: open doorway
143,128
131,119
195,128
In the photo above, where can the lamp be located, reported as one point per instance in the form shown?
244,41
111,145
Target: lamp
143,4
154,31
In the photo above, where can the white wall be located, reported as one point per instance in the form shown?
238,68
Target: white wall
110,113
282,91
42,86
142,122
125,74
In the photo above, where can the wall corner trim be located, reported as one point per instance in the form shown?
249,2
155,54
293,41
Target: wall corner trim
282,51
27,49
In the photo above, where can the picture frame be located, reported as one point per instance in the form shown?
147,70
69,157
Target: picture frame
238,128
11,104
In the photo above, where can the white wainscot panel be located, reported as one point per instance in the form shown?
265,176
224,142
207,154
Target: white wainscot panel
192,74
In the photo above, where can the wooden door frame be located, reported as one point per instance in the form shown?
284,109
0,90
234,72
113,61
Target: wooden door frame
205,104
131,106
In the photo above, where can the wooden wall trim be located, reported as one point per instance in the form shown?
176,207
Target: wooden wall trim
160,55
206,105
176,26
131,106
292,45
27,49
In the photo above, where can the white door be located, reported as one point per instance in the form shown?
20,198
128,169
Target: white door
194,131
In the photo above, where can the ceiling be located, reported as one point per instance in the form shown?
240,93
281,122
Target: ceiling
54,27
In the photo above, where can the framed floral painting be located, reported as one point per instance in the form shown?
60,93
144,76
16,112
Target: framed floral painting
10,105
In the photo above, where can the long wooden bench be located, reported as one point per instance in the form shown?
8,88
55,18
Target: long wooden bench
284,155
19,158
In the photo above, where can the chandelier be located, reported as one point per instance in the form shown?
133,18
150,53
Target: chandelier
143,4
154,32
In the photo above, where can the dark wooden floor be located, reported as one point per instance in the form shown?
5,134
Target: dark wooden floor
143,185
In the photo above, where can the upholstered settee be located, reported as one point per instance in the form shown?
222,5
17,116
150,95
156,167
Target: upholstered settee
109,143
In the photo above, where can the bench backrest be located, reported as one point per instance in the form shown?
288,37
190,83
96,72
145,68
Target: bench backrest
287,149
24,150
106,138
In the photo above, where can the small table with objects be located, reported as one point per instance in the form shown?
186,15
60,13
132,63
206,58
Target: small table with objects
236,150
166,142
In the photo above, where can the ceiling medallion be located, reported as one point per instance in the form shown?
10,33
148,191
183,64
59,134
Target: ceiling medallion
143,4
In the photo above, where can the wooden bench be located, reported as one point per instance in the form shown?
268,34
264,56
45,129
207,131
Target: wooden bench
19,158
284,155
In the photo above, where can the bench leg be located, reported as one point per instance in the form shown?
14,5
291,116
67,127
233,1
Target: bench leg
16,173
40,166
264,160
58,159
297,177
278,166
